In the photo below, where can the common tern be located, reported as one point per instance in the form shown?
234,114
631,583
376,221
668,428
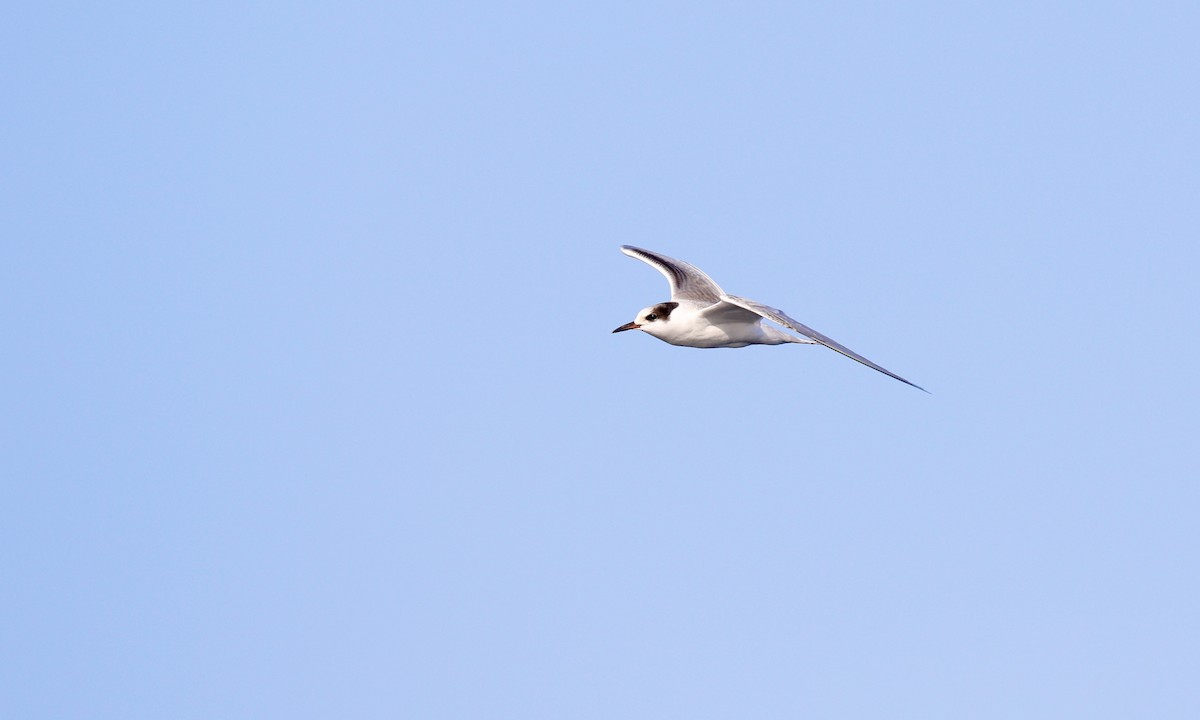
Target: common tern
702,315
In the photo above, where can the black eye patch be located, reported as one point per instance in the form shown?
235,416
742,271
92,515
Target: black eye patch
662,311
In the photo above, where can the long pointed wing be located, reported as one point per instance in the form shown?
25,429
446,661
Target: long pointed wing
687,281
780,317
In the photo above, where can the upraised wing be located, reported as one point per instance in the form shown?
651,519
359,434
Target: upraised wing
688,282
776,315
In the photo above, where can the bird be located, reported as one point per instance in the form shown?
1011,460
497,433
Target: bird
702,315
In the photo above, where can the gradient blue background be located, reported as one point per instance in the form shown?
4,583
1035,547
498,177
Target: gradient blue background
312,409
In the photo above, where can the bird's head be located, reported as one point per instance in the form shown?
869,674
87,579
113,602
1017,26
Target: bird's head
652,319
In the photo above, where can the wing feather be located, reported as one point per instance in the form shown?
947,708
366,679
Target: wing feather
687,281
776,315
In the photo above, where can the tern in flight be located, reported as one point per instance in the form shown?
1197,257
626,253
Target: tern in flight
702,315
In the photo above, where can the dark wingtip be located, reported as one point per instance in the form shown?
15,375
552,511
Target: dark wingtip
908,382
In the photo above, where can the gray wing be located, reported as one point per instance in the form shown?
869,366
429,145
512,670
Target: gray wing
687,281
781,317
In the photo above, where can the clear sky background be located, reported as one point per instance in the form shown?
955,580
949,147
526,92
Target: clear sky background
312,409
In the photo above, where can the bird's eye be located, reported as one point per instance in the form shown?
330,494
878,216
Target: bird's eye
651,316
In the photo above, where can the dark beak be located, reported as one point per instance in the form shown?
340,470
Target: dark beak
627,326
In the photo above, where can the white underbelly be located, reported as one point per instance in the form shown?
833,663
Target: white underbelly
711,336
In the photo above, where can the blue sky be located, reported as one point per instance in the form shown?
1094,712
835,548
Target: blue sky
313,407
